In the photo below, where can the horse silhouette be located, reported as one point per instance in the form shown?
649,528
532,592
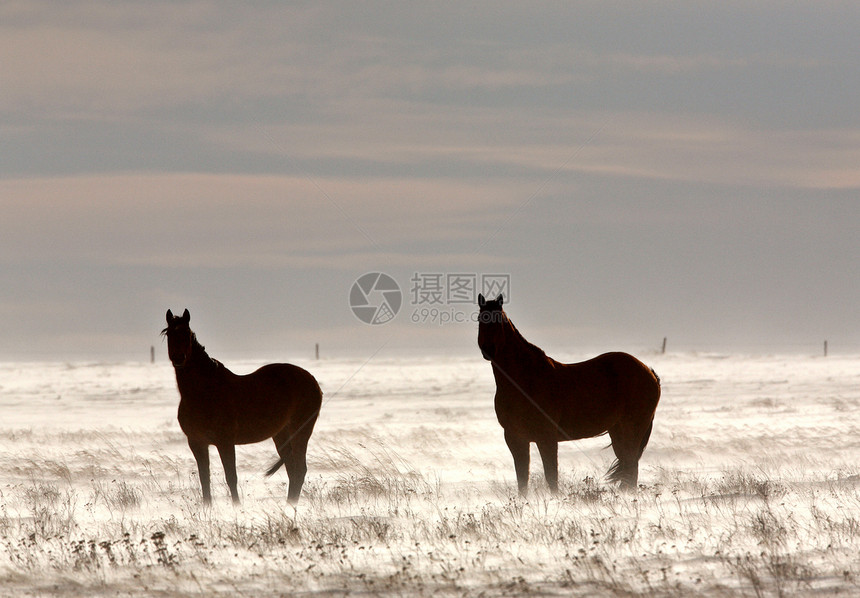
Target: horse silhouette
546,402
217,407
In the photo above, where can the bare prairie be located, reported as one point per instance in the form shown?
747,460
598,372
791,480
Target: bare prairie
749,487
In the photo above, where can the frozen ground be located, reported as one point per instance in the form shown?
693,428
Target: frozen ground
749,486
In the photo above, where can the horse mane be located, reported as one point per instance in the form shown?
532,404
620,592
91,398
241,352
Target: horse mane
195,344
531,349
198,351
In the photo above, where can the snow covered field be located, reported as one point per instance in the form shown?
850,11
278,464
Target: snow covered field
749,486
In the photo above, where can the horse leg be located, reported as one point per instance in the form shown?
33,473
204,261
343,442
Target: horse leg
297,467
228,460
520,451
293,452
200,451
549,456
626,447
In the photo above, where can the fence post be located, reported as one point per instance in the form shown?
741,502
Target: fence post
663,351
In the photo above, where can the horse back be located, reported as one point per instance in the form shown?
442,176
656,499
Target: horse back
242,409
288,379
612,378
279,390
578,400
604,390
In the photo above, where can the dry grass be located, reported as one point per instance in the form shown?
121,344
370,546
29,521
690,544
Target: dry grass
771,512
384,529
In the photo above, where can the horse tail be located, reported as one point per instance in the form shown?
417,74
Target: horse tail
614,473
275,467
311,420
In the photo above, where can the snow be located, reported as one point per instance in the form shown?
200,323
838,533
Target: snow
749,485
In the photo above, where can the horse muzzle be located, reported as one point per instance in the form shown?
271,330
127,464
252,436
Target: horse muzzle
179,361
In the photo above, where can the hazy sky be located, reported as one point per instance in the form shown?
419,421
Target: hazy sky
638,170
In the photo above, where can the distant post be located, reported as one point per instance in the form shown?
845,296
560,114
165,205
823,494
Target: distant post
317,351
663,351
825,348
152,354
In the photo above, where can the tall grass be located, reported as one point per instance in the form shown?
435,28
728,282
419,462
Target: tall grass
741,504
384,529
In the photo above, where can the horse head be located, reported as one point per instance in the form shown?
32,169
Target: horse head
180,339
491,320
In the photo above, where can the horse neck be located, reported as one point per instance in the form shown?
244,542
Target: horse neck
199,356
518,354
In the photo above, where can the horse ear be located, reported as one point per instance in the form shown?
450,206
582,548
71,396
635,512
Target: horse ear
186,316
169,317
481,301
500,299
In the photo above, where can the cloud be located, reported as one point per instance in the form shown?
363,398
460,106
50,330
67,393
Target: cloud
321,88
664,146
118,59
229,220
230,154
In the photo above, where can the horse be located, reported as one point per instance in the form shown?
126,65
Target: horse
546,402
217,407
